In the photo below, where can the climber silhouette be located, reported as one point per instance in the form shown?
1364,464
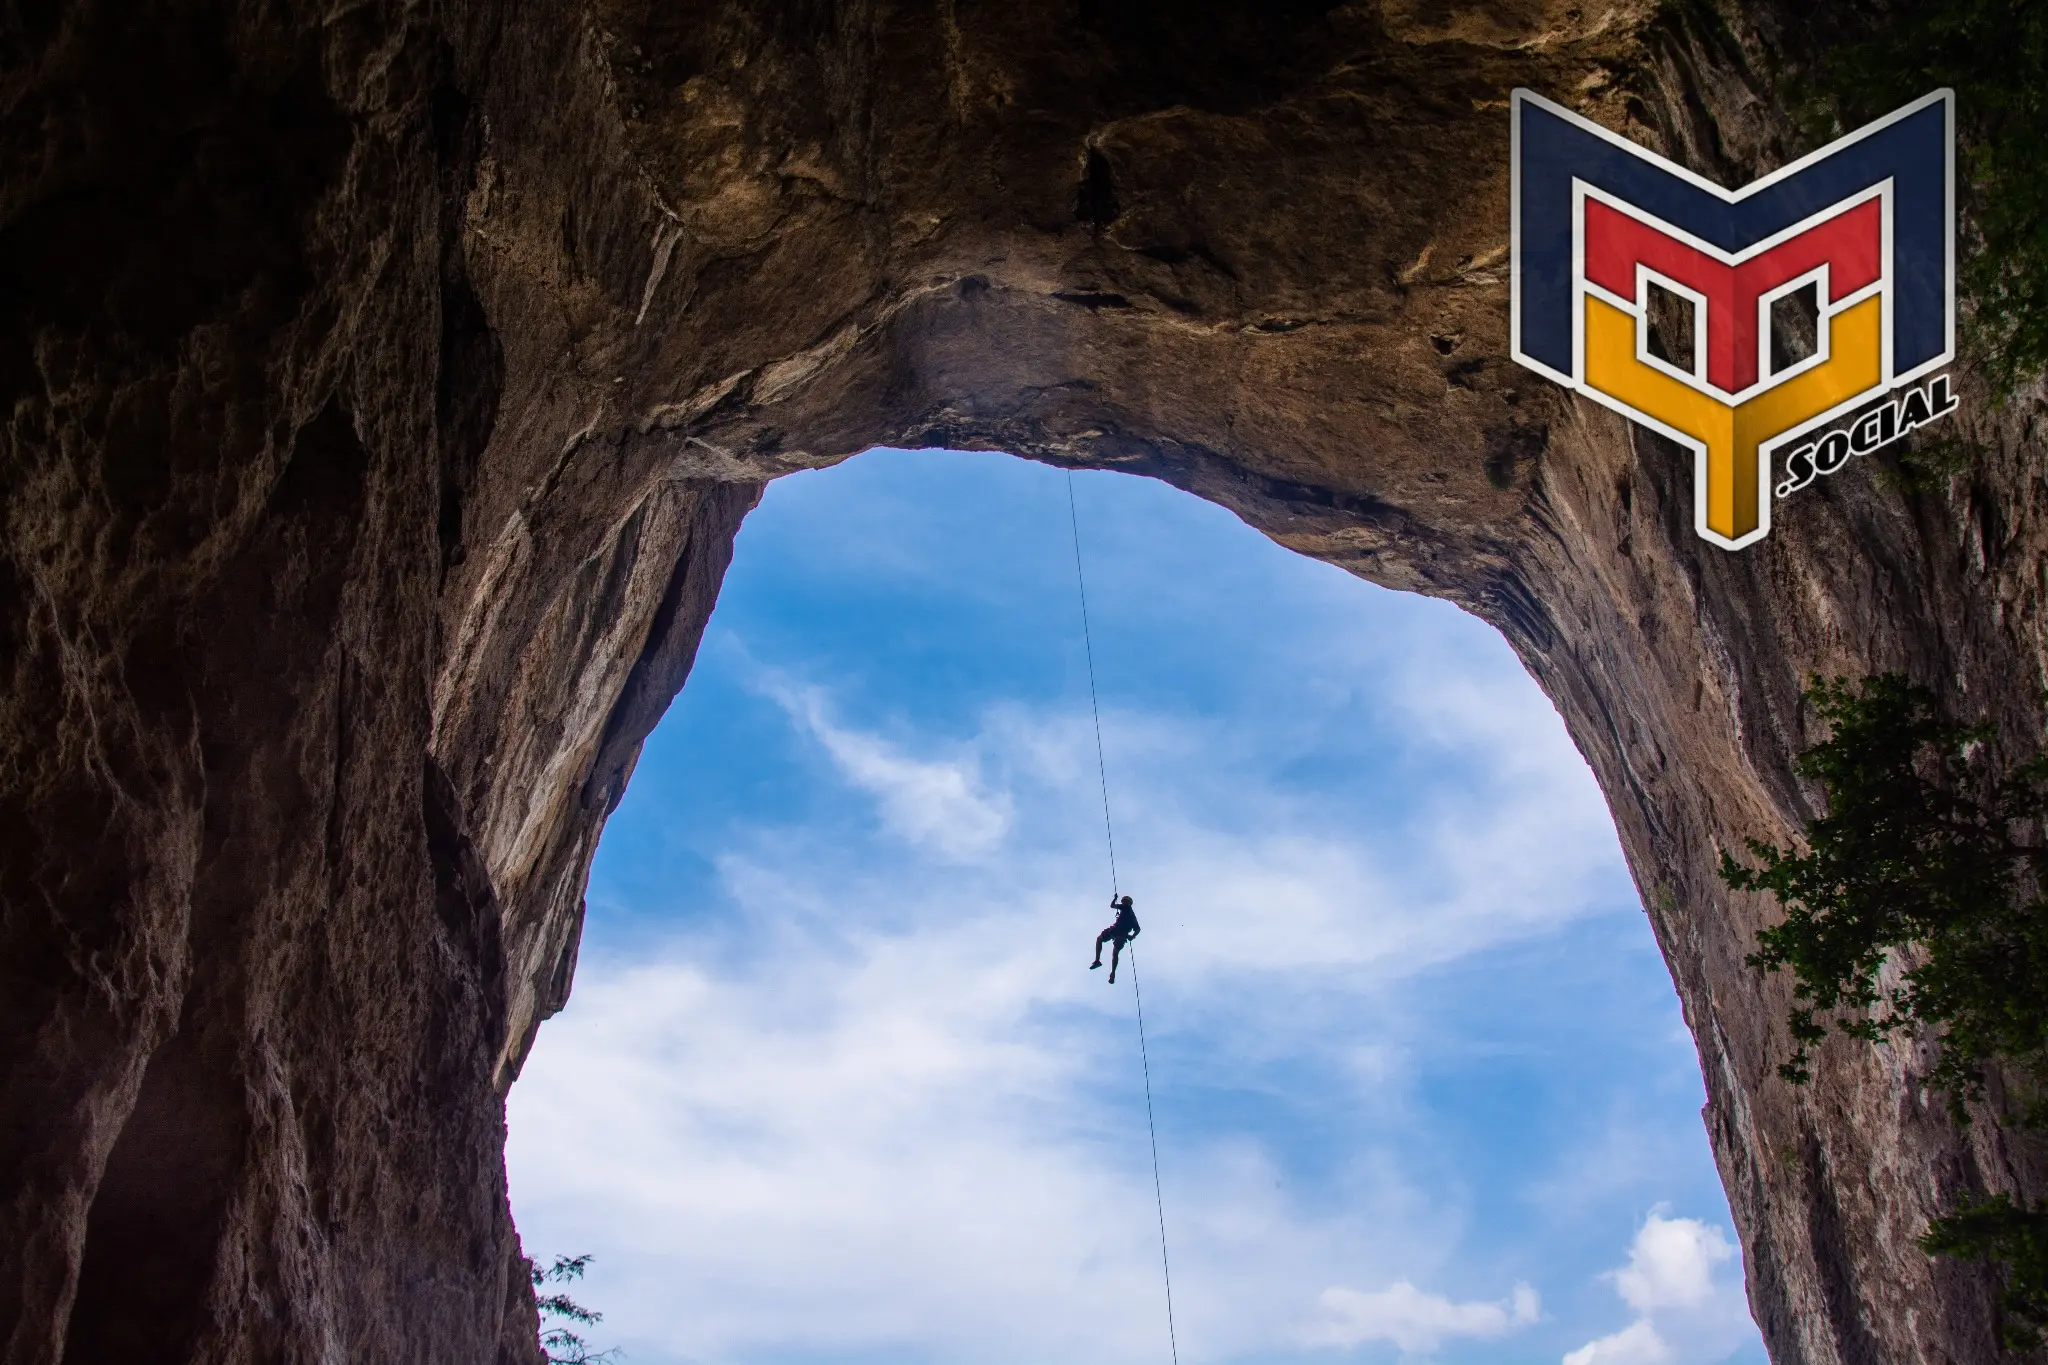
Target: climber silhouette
1116,936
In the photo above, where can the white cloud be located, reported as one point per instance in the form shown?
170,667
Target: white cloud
1635,1344
1671,1264
1673,1281
1415,1321
942,806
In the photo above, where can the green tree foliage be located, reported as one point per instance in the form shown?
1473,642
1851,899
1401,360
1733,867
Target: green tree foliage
1917,907
561,1315
2005,1233
1906,855
1994,53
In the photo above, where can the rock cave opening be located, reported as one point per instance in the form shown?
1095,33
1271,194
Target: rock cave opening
835,1083
385,387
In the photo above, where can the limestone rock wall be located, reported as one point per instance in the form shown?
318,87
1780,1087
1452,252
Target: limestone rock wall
385,382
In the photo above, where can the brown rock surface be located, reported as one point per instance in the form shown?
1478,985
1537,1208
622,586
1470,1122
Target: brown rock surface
384,383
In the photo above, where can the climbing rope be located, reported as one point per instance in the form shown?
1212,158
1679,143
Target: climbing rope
1109,835
1094,705
1158,1197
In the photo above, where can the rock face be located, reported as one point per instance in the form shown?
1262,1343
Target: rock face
384,384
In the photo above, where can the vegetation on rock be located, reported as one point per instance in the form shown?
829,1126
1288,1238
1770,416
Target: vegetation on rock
1994,54
2009,1233
1916,908
559,1340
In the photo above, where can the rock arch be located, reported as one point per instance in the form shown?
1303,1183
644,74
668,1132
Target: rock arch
385,386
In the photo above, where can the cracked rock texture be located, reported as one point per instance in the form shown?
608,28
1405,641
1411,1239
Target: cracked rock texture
383,385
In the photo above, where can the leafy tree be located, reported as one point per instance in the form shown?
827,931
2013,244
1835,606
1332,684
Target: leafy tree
2008,1233
1906,855
559,1340
1916,907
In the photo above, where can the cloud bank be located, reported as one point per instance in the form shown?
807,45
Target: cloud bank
1688,1308
941,805
1415,1321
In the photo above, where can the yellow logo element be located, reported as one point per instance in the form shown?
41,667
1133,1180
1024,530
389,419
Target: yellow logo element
1732,472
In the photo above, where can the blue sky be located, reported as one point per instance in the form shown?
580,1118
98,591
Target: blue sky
837,1088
